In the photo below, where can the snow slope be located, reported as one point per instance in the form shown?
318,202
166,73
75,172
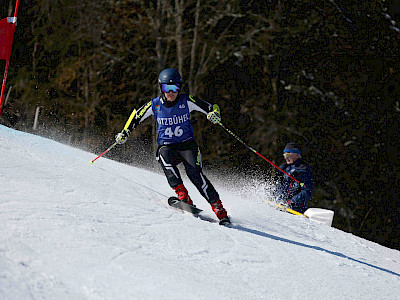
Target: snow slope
72,230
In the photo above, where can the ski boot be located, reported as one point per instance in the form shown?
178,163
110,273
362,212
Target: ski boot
182,193
221,213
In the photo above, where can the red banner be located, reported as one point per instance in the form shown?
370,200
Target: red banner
7,28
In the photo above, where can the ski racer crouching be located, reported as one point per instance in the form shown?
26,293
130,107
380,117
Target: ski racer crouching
175,138
292,194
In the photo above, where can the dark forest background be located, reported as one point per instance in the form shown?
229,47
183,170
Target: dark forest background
324,74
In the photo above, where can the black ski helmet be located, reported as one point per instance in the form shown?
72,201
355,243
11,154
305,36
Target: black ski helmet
169,76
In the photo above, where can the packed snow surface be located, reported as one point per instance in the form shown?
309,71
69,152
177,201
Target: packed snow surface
74,230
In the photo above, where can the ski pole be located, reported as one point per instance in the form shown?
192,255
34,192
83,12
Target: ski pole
112,146
250,148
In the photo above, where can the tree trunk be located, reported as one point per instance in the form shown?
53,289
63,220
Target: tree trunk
191,81
178,34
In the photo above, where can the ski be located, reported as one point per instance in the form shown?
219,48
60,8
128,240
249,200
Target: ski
183,206
225,222
176,203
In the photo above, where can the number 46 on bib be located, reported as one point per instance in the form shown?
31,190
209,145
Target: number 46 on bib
178,131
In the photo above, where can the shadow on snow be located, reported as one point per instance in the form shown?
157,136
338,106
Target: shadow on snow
263,234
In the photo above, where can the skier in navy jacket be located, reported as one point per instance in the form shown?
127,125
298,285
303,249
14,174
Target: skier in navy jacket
290,193
175,138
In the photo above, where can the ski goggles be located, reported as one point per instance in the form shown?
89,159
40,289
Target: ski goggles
176,87
287,154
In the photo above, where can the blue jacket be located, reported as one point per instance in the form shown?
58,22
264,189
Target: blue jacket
291,192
